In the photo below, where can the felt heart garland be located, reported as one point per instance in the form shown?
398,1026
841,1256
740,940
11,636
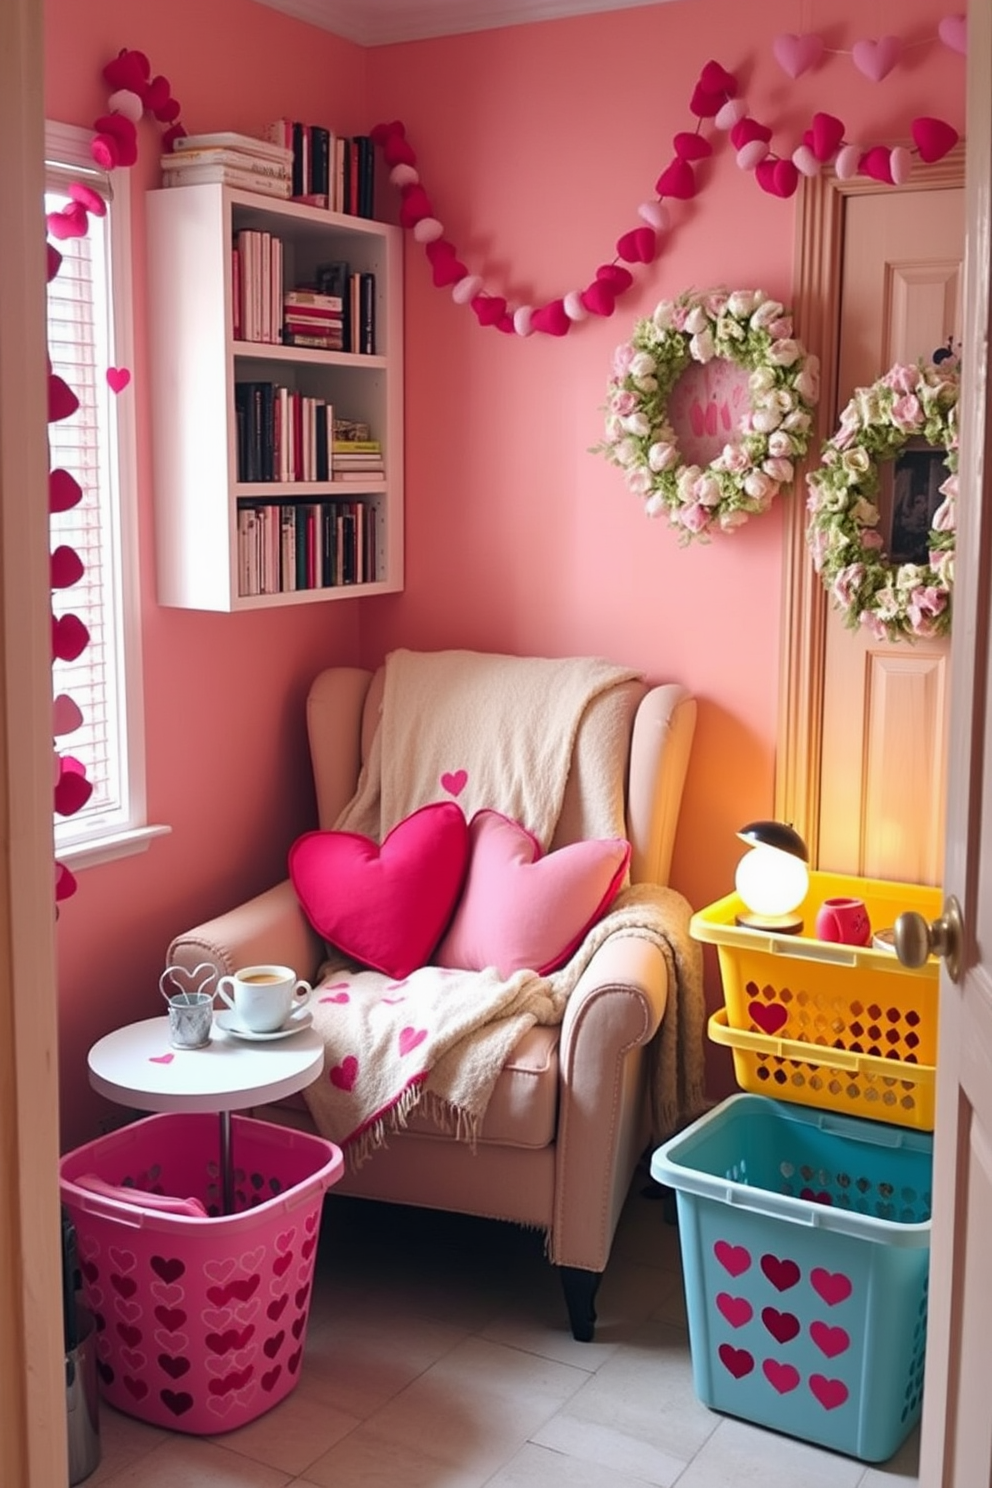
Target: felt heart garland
115,143
874,57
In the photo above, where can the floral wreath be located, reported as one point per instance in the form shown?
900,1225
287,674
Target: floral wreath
745,327
893,601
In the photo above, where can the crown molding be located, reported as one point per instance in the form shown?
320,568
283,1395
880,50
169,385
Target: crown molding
383,22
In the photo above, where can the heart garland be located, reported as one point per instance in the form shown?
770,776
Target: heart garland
114,144
874,57
714,97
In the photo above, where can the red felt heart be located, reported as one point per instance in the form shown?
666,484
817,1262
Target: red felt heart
764,174
64,491
170,136
786,178
168,111
124,134
65,883
551,319
876,163
933,138
66,567
690,146
398,151
704,103
62,401
381,132
71,222
616,276
53,261
385,906
600,298
414,205
826,136
439,248
448,270
155,93
638,245
505,324
716,79
678,180
748,129
69,637
129,69
488,308
73,789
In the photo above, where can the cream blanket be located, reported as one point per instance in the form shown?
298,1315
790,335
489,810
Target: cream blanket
488,731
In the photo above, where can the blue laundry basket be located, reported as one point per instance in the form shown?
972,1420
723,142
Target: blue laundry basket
805,1252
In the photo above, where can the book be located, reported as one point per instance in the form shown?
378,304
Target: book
320,165
264,149
365,156
227,175
238,159
355,446
312,343
312,299
366,314
299,160
358,475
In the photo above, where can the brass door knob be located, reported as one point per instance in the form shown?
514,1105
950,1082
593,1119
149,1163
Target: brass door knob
915,940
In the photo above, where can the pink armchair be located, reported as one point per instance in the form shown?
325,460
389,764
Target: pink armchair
569,1116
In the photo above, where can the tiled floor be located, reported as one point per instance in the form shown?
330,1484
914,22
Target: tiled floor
438,1356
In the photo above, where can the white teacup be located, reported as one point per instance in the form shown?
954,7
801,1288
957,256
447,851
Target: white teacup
263,997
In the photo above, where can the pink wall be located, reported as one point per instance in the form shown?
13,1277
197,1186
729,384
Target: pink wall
536,144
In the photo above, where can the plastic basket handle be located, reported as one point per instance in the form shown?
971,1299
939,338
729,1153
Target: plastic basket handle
803,1052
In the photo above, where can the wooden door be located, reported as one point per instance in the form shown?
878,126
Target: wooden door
884,742
956,1446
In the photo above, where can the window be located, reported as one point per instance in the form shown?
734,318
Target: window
89,332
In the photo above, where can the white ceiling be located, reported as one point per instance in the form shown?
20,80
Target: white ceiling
379,22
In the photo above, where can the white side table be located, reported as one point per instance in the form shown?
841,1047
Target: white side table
137,1066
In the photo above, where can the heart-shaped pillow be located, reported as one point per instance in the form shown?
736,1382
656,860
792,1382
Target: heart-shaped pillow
386,906
521,911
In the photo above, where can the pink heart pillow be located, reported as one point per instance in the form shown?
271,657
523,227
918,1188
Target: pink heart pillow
519,910
385,906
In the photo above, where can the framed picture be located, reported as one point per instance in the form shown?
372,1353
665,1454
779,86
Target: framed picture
914,479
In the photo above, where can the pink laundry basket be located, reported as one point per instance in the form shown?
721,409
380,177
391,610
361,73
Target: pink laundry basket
201,1320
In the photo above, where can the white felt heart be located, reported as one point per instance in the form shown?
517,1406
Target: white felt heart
900,164
656,215
427,230
574,308
403,175
751,154
846,164
805,161
730,114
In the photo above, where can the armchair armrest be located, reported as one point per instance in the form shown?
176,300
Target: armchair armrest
612,1015
269,928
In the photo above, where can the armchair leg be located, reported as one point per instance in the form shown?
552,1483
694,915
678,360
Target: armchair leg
580,1288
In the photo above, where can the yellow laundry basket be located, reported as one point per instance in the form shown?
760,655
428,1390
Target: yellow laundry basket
845,1028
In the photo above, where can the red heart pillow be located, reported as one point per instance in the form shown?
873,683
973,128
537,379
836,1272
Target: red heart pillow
386,906
519,910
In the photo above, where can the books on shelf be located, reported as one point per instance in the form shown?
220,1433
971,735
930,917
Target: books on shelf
208,173
232,159
256,286
328,170
244,144
287,546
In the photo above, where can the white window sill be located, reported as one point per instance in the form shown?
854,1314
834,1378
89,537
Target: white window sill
105,849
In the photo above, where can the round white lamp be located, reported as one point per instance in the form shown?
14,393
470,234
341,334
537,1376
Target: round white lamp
773,878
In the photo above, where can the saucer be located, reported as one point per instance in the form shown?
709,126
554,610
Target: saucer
294,1024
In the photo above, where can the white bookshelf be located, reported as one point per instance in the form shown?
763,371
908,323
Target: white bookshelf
195,363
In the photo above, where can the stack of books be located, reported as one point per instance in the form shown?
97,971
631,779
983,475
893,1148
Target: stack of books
357,460
232,159
313,319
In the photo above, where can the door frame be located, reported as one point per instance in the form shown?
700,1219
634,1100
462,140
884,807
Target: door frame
818,261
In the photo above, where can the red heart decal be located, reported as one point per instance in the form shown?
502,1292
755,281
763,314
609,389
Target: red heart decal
782,1377
829,1392
733,1258
489,309
616,276
64,491
689,146
454,781
161,1058
748,129
118,379
551,319
62,401
768,1016
933,138
830,1341
783,1326
826,137
737,1310
600,298
716,79
876,163
781,1274
66,567
69,637
832,1286
677,180
638,245
738,1361
410,1039
344,1075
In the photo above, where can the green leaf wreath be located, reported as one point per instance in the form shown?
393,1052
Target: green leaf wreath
892,601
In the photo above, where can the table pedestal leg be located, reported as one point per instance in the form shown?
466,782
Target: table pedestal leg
226,1165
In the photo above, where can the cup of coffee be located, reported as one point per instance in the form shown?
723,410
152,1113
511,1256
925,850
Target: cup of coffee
844,920
190,1017
263,997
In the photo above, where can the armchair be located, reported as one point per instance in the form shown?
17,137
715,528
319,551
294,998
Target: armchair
569,1115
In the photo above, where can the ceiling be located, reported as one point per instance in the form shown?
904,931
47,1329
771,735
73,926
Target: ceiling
380,22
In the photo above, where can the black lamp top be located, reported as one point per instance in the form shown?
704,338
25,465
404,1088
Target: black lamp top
775,834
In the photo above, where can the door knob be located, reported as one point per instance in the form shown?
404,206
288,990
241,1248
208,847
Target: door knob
915,940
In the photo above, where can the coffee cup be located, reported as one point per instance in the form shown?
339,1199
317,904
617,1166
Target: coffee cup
263,997
844,919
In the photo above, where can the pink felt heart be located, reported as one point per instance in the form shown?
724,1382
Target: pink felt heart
410,1038
599,298
62,401
748,129
161,1058
64,491
454,781
953,32
638,245
66,567
876,163
551,319
448,271
690,146
124,134
66,715
827,136
88,198
386,906
797,54
716,79
72,222
616,276
344,1075
678,180
876,59
933,138
489,309
704,103
118,379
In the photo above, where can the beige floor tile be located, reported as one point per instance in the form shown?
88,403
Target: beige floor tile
193,1462
297,1431
540,1467
741,1454
366,1460
359,1359
603,1448
122,1441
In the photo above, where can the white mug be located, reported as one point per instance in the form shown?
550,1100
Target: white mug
263,997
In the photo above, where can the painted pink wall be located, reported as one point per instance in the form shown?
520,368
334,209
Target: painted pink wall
536,144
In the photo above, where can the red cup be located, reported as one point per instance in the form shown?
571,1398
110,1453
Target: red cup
844,920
